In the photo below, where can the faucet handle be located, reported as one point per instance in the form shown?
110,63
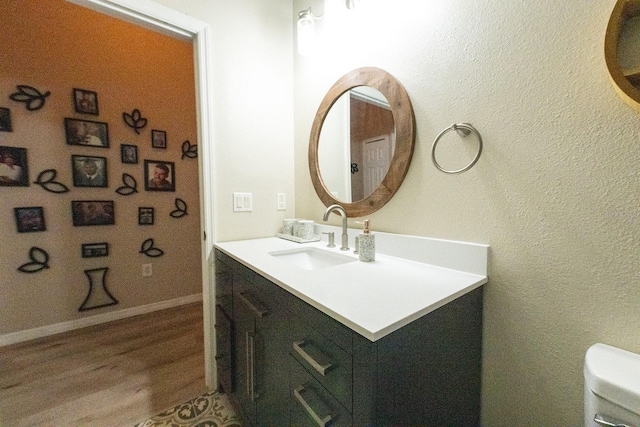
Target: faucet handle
331,239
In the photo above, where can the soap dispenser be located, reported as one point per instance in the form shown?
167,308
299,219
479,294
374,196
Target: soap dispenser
367,240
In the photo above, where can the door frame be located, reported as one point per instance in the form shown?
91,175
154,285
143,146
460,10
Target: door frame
153,16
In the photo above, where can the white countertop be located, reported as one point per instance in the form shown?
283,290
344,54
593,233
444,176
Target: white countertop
373,299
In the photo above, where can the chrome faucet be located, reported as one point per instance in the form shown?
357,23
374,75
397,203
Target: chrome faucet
345,236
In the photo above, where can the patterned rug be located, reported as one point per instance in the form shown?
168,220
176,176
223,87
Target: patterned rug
209,410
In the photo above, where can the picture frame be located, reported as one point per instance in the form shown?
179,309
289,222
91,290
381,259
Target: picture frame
146,215
5,120
89,171
158,139
95,250
14,170
85,101
29,219
129,154
87,133
92,212
159,175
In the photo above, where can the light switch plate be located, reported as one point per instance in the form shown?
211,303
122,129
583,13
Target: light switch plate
242,202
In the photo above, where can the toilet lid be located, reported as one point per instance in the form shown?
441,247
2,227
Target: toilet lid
614,374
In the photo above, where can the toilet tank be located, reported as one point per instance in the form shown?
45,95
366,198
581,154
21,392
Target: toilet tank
611,386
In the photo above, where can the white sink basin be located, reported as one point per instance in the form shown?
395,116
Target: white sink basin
311,258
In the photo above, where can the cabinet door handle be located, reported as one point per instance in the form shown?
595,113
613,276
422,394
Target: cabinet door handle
251,302
322,421
313,357
251,365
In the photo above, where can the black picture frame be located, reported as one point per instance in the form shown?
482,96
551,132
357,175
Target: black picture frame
87,133
159,175
95,250
146,215
14,169
85,101
158,139
29,219
5,120
92,212
89,171
129,154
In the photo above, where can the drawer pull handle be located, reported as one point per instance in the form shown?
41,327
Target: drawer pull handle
321,421
250,301
609,422
313,357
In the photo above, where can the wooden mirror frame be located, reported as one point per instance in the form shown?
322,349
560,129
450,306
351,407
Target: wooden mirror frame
623,10
405,126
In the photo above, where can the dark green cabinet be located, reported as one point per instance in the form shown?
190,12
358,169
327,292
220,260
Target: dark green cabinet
294,365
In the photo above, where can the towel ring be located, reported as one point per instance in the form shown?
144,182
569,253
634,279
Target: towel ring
463,129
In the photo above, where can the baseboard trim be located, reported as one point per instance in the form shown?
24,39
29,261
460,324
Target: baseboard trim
44,331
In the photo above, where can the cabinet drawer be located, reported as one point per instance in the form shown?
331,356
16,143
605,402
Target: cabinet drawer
311,405
336,331
330,365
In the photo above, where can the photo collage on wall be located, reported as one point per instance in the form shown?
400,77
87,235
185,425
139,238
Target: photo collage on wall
87,170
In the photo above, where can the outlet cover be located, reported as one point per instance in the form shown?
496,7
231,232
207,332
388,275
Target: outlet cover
282,202
147,270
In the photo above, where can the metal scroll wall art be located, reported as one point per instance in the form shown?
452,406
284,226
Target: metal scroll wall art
462,129
30,96
188,150
47,180
134,120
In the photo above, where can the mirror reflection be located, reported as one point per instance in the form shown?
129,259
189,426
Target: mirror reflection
356,144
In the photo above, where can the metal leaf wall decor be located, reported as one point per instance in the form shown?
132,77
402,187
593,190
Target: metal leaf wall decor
188,150
130,185
32,97
39,261
134,120
149,250
181,209
47,180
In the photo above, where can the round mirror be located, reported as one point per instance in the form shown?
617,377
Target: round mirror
621,51
362,141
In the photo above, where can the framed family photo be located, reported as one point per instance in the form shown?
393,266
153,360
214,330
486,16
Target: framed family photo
29,219
92,212
145,216
158,138
5,120
13,167
85,101
86,132
89,171
129,153
93,250
159,175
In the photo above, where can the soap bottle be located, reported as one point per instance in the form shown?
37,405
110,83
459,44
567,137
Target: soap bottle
367,240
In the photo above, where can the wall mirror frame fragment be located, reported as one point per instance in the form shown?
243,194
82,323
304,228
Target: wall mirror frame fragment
404,121
625,80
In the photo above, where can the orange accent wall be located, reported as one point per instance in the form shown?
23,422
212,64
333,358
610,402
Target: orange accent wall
56,46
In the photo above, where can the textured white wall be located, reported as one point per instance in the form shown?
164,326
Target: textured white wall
253,131
555,193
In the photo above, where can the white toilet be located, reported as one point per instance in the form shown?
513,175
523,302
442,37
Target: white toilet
611,387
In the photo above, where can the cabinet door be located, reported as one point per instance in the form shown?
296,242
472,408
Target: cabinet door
247,310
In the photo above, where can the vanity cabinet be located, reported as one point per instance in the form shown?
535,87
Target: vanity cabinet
314,371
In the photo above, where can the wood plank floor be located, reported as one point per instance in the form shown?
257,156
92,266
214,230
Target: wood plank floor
114,374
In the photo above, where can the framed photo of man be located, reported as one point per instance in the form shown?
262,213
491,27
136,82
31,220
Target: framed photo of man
85,101
30,219
13,167
89,171
92,212
86,132
5,120
158,138
159,175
